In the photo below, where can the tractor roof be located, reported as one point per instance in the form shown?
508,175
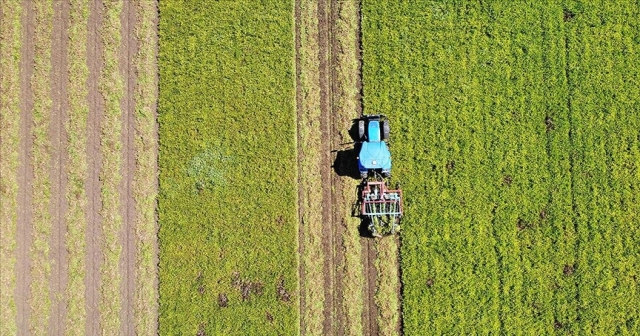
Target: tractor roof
374,131
375,155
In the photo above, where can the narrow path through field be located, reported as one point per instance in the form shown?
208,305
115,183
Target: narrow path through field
59,162
94,158
25,176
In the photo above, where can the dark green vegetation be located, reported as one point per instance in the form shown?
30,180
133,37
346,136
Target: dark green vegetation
228,232
516,142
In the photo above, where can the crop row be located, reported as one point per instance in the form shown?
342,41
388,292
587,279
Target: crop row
228,232
514,145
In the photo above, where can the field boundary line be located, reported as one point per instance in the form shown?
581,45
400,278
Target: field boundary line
10,45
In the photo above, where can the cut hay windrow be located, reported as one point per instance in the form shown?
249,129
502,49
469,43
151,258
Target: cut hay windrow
76,127
39,298
10,43
146,176
111,87
312,273
347,101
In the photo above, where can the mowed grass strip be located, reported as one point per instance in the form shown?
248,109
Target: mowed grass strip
146,177
387,296
228,173
309,163
10,42
603,67
112,89
76,127
346,104
39,298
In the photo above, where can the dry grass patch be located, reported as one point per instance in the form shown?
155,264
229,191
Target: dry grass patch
112,89
77,168
146,175
10,41
388,296
309,138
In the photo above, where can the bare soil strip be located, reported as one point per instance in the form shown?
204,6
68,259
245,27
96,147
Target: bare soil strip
94,162
371,309
331,323
25,175
59,162
128,48
111,87
39,299
10,41
145,183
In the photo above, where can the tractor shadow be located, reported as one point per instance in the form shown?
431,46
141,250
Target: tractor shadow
346,162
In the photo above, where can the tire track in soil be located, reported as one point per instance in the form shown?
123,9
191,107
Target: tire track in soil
25,171
127,259
59,161
369,255
331,323
94,159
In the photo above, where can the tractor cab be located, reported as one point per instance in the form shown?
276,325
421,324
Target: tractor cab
374,156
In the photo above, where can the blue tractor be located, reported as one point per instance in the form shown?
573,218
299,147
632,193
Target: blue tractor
374,156
379,205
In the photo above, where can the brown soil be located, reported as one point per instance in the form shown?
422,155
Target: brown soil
94,159
127,238
59,158
370,312
331,322
25,175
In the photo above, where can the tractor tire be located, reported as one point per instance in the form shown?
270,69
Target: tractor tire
361,130
385,130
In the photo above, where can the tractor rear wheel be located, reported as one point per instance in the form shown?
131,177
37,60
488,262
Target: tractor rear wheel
385,130
361,130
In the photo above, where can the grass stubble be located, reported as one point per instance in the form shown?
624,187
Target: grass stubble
76,127
145,175
312,274
111,87
347,72
39,299
10,42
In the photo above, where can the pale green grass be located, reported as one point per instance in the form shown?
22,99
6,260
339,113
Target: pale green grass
10,42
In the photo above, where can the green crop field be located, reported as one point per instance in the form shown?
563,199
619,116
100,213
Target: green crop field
516,140
228,233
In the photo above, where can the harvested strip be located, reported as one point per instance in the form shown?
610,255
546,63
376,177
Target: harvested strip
111,88
346,109
146,172
76,123
388,294
311,277
39,301
9,140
